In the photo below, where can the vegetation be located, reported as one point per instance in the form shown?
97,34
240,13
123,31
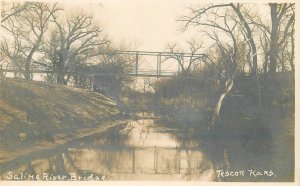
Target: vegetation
241,86
249,99
240,39
39,35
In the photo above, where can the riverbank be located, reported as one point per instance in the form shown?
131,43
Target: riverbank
39,120
18,156
260,122
37,116
140,150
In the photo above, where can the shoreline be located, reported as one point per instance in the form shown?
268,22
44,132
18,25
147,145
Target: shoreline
15,157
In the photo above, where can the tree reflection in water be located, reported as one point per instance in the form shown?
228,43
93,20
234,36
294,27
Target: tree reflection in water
144,151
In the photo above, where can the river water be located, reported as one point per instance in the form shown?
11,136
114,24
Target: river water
144,150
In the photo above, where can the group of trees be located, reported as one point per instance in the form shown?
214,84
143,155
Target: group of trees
43,34
191,63
231,26
68,46
243,41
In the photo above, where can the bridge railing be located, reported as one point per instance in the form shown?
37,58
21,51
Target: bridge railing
145,53
156,71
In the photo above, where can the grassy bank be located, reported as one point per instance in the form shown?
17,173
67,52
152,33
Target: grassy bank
254,124
35,115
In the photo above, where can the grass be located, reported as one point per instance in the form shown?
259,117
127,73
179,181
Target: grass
34,111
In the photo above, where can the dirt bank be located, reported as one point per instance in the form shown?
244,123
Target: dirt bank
36,116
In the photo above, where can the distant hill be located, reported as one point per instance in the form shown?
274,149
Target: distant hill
32,112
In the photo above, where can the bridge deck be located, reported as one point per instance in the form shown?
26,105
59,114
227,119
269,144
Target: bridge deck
38,67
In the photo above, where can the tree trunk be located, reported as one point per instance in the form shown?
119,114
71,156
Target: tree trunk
249,38
60,74
60,68
227,89
60,78
292,63
274,40
266,57
27,71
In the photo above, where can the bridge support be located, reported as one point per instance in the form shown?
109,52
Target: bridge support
136,63
158,64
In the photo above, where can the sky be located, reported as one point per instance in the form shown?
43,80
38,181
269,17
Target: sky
150,25
144,25
147,25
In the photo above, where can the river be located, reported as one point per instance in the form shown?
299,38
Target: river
146,150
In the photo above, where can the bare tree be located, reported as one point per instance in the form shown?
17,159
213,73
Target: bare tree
27,25
219,25
291,55
11,40
38,25
187,63
15,9
14,52
72,43
283,18
118,65
249,35
202,12
277,38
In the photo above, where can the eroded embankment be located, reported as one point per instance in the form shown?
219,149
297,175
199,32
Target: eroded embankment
37,115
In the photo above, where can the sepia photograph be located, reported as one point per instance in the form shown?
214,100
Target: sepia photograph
140,90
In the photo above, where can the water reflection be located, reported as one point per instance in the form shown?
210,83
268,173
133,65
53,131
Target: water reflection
142,150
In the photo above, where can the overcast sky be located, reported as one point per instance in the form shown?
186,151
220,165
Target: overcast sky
149,25
146,24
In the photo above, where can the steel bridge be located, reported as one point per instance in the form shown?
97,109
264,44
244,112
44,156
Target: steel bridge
153,68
